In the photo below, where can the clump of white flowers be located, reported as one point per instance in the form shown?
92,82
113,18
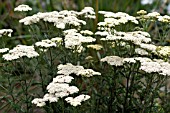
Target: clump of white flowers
68,69
141,51
57,40
153,15
59,19
164,19
136,37
4,32
113,60
163,50
74,40
102,33
77,100
113,19
149,47
3,50
20,51
45,44
23,7
147,65
60,88
39,102
86,32
87,73
77,70
88,12
142,12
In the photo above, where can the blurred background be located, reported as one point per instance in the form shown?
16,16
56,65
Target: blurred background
129,6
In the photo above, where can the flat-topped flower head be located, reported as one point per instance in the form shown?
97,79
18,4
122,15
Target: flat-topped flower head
39,102
164,19
63,79
77,100
58,19
88,12
149,47
113,19
29,20
4,32
23,7
46,44
163,50
153,14
57,40
88,73
3,50
77,70
69,69
20,51
86,32
141,51
74,40
136,37
50,97
142,12
144,2
102,33
113,60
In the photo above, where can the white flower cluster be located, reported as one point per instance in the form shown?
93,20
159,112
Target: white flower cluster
156,65
74,40
77,70
142,12
45,44
114,19
149,47
20,51
86,32
147,65
87,73
163,50
68,69
164,19
60,87
150,67
88,12
5,32
144,2
153,16
141,51
102,33
77,100
113,60
60,19
57,40
23,7
3,50
137,37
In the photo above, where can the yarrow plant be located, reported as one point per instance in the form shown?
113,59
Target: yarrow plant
68,68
